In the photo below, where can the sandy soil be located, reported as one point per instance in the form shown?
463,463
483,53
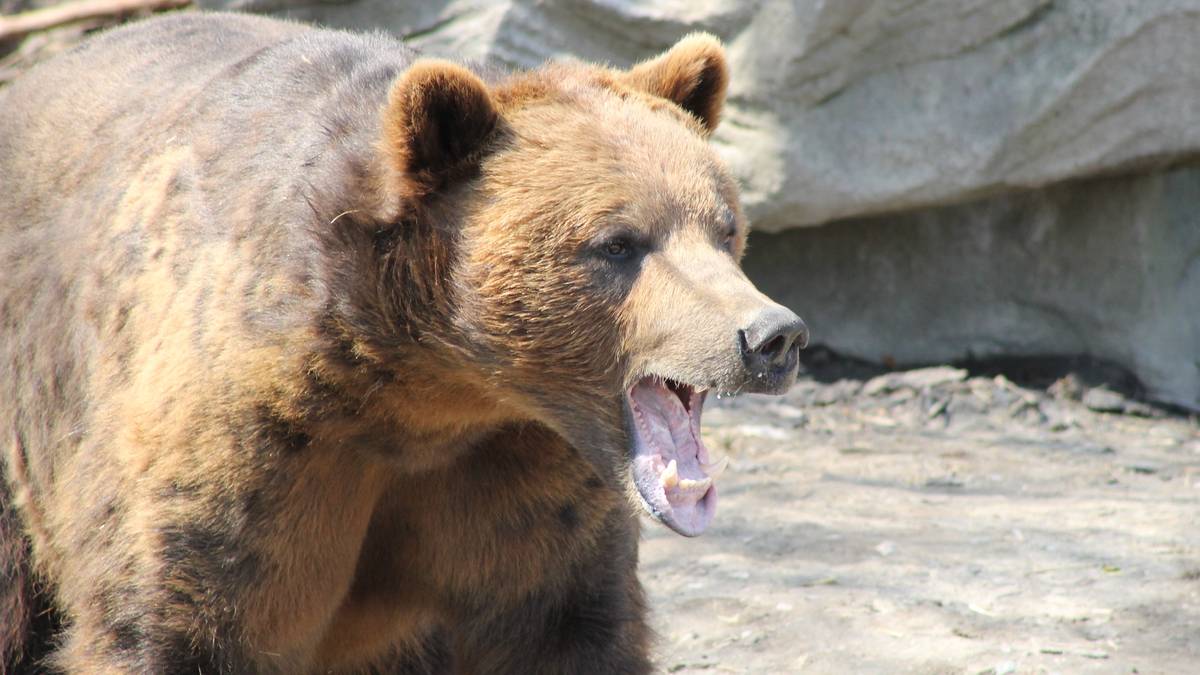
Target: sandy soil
932,522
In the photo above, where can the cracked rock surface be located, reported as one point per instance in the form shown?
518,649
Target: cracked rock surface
848,108
1108,267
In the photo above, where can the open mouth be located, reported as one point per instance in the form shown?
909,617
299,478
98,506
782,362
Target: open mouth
671,466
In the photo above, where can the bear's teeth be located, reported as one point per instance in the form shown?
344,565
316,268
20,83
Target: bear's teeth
689,485
670,475
715,469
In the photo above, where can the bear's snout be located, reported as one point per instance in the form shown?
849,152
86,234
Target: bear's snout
770,349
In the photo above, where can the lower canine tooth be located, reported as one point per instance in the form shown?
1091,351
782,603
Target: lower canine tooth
715,469
670,475
688,484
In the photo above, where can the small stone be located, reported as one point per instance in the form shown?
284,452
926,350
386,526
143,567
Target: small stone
926,378
881,606
944,483
835,393
1051,650
1104,400
1139,409
938,407
1067,388
881,384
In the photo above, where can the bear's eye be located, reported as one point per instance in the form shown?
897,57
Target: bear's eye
617,249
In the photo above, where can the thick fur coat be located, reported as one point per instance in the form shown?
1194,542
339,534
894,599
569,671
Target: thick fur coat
315,355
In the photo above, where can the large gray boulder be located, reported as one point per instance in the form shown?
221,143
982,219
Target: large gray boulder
846,111
1108,267
851,107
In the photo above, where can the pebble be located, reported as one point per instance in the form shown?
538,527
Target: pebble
1104,400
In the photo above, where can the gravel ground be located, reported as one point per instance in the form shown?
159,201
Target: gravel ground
939,521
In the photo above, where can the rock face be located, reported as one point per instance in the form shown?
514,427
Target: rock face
1108,267
844,111
855,107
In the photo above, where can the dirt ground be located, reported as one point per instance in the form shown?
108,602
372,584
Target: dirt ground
938,521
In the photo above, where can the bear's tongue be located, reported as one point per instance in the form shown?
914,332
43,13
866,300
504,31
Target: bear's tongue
670,464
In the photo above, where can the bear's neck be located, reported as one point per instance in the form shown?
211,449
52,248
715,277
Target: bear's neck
416,411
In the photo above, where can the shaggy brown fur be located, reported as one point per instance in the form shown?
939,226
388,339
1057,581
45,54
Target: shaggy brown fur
313,354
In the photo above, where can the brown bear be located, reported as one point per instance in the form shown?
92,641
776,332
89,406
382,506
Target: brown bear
318,356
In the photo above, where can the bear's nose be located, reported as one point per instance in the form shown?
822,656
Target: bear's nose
771,343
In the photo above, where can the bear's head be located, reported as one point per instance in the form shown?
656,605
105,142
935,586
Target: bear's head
569,239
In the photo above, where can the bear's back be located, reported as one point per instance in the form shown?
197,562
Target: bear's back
168,177
245,93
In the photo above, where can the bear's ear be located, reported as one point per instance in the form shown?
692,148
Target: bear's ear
438,118
693,74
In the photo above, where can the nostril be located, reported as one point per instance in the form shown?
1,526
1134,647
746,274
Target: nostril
776,346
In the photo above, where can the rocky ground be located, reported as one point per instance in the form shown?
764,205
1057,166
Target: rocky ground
940,521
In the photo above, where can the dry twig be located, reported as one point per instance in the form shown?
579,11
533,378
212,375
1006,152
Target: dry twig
17,25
